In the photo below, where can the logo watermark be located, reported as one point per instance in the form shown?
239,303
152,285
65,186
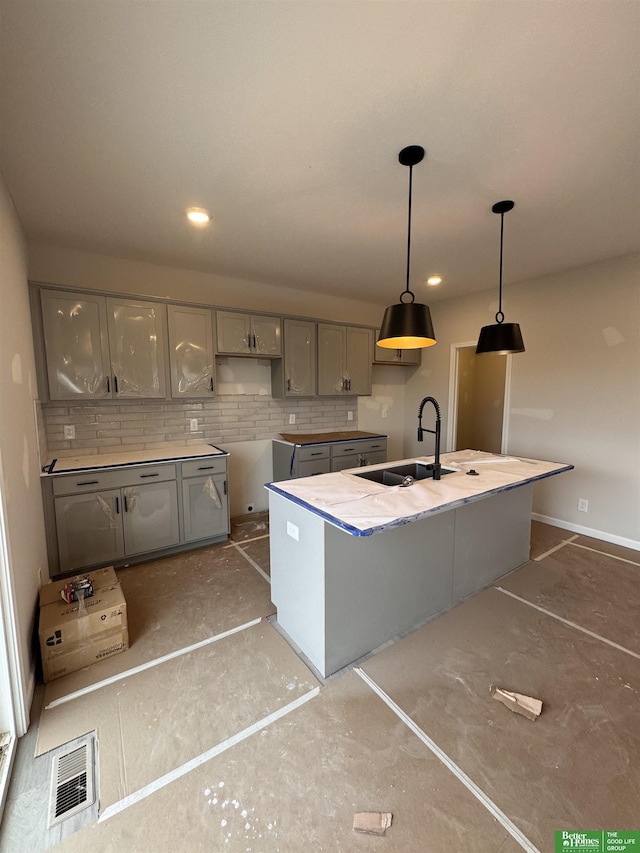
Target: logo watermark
598,841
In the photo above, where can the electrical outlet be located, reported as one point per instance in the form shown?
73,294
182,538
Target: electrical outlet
292,531
69,432
292,419
583,505
193,424
349,416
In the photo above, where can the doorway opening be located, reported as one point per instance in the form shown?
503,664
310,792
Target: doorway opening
479,399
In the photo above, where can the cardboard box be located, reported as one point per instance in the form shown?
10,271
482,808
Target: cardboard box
100,578
78,634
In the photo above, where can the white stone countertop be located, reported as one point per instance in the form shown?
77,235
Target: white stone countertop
362,507
116,459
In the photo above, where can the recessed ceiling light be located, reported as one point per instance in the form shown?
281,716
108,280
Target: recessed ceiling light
198,215
434,280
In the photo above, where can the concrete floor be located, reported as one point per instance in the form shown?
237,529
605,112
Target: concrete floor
235,745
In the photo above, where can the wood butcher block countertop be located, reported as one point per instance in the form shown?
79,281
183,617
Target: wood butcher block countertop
322,437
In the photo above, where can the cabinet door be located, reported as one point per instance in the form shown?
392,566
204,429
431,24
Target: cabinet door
205,507
266,337
299,358
234,332
77,352
137,342
331,359
390,356
411,356
150,517
358,365
89,529
191,351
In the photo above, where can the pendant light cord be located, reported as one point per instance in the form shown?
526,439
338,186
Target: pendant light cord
500,315
409,238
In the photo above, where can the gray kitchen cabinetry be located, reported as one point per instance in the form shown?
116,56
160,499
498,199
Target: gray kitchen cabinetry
354,454
98,347
205,503
248,334
344,360
294,460
103,516
76,345
294,375
191,351
137,343
383,355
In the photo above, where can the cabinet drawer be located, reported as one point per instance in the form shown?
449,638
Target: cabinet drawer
97,480
147,474
312,451
314,466
206,466
344,448
86,481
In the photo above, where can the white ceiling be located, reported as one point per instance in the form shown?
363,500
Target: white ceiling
285,120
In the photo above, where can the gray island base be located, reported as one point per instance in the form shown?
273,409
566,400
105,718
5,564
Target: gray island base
343,589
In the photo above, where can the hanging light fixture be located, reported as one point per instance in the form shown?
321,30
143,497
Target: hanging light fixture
501,338
407,325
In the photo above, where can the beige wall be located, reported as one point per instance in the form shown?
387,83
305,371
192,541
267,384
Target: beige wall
97,272
575,392
19,463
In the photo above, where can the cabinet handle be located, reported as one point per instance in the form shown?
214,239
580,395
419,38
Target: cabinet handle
142,476
349,450
108,385
126,505
288,384
254,342
375,446
115,383
225,487
206,467
317,453
88,483
117,506
249,341
211,384
349,384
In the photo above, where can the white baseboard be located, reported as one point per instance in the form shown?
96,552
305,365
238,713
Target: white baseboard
588,531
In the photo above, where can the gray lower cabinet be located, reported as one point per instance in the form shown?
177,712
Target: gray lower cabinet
99,517
292,460
205,502
101,527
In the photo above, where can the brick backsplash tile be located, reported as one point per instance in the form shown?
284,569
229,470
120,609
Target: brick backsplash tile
133,425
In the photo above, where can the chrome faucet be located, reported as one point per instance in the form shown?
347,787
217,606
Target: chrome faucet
421,430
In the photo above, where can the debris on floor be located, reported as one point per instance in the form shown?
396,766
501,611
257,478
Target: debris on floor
517,702
373,823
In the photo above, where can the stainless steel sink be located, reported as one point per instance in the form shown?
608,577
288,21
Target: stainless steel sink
398,474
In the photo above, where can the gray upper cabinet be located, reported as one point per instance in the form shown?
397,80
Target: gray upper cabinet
191,349
344,360
248,334
76,345
295,374
102,348
383,355
137,343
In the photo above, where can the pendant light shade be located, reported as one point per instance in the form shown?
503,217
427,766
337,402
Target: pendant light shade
407,324
501,338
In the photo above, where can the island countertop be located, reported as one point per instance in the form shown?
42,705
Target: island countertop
119,459
361,507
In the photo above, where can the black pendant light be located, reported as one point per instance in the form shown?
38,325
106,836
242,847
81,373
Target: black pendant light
501,338
407,325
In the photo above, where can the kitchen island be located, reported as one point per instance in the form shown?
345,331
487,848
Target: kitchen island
355,563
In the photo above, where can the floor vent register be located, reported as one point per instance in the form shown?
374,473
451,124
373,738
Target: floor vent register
72,780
